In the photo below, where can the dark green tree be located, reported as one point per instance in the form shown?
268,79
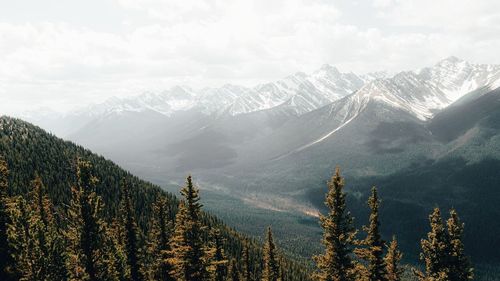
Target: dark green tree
338,236
86,233
48,241
131,232
188,249
159,254
20,233
219,260
246,274
460,268
271,269
33,234
7,263
373,245
233,273
392,261
118,263
435,250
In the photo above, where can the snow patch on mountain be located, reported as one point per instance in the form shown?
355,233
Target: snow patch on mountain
327,135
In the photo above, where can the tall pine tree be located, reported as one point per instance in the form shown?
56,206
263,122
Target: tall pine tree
32,232
46,234
86,233
131,232
233,273
245,262
271,269
20,233
459,265
392,261
159,254
219,260
373,251
188,249
338,236
435,250
7,263
118,259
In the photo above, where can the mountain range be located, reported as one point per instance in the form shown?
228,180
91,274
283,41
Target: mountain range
414,134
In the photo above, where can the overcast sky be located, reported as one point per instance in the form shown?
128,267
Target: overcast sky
61,54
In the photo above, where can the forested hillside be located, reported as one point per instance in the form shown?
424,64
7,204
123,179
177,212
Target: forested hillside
36,158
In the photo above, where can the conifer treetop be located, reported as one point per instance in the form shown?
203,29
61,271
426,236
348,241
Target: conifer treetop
4,175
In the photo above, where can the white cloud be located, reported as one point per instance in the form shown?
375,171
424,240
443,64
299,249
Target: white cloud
155,44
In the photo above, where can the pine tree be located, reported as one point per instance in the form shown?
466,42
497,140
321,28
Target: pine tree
131,232
20,233
118,262
373,244
159,254
460,268
86,234
189,258
392,261
338,237
271,270
435,250
246,266
219,261
7,263
233,274
33,234
46,234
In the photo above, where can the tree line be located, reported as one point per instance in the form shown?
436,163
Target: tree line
41,241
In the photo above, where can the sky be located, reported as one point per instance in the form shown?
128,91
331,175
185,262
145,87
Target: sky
60,55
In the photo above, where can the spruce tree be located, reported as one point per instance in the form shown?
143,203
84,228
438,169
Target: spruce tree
33,234
85,233
20,233
118,263
459,265
7,263
159,254
392,261
46,234
271,270
233,274
373,250
131,232
338,236
189,258
219,261
245,262
435,250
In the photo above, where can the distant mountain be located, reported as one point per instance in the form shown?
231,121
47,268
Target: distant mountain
295,94
277,143
235,128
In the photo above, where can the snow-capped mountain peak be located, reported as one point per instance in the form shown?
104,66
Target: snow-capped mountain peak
299,93
422,93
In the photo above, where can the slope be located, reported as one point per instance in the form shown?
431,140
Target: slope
29,150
